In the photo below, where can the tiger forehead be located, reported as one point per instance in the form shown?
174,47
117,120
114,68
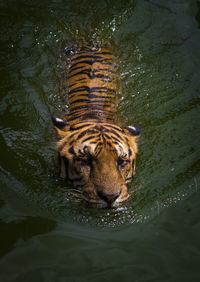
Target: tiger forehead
89,131
97,126
93,138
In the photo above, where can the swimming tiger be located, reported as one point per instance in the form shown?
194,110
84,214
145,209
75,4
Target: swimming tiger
94,153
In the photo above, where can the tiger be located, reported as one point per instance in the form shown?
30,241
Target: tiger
94,153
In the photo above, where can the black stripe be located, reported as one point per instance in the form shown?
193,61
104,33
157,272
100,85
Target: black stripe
76,82
113,132
71,118
81,79
91,107
70,143
71,135
88,138
85,132
83,69
80,127
78,89
128,178
78,101
91,137
71,151
98,116
73,69
118,141
113,127
82,107
96,127
91,74
103,62
60,148
101,90
110,118
107,136
91,102
59,162
66,162
87,56
90,96
92,89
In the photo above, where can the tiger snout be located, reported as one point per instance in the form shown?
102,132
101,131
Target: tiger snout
104,196
113,198
106,185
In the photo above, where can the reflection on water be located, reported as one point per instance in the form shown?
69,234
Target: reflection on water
22,230
46,233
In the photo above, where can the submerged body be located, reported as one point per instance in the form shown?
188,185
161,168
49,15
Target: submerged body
94,153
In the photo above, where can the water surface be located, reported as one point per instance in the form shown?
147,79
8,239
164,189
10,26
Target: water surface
46,234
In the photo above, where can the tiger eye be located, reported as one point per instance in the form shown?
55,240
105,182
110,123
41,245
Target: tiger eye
84,161
121,163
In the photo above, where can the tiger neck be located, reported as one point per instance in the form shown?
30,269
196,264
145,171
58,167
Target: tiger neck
92,87
91,115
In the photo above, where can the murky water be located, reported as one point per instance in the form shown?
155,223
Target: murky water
46,234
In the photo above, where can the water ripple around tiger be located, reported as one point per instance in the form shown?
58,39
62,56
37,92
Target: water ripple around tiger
159,75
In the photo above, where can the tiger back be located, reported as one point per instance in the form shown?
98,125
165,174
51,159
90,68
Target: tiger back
94,153
91,84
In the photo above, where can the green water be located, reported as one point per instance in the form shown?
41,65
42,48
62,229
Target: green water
45,233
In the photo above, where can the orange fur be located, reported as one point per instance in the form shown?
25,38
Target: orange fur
94,153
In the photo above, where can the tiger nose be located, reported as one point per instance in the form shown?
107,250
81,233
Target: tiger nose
109,198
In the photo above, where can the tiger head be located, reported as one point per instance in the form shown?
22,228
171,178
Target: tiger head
99,158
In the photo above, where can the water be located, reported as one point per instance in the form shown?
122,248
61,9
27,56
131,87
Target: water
46,234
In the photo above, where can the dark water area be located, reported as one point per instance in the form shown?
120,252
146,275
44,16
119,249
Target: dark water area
46,234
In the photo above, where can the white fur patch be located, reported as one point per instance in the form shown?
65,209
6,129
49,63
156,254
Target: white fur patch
92,148
59,120
132,127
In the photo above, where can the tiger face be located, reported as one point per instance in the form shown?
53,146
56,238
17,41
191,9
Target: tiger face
98,158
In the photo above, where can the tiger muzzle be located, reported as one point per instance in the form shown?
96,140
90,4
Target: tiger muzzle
108,198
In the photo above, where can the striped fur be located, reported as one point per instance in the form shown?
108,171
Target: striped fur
94,153
91,89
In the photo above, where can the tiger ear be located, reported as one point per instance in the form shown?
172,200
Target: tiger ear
134,130
61,126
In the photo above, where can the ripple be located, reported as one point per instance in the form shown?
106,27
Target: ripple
158,70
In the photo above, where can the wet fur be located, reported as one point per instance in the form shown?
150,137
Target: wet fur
95,154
